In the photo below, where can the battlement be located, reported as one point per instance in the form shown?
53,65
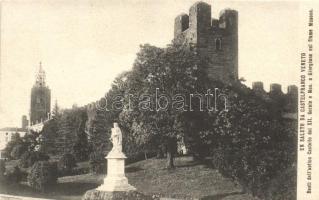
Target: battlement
292,90
215,24
258,86
286,101
275,88
181,24
216,39
200,21
228,20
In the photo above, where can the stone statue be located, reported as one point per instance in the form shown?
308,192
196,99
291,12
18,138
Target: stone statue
116,138
116,179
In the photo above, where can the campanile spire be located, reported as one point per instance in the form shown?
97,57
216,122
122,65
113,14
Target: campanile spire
40,77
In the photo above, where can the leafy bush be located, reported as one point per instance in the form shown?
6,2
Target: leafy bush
81,149
15,176
30,157
17,151
283,186
2,169
15,148
43,174
66,163
97,163
251,145
15,140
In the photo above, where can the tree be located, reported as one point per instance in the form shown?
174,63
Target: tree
99,133
2,170
103,115
18,145
56,110
17,151
81,148
70,124
170,71
30,140
248,142
43,175
49,134
15,140
66,163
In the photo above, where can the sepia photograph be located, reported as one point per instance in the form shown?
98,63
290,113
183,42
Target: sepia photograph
166,100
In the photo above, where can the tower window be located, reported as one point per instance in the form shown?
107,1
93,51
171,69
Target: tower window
218,44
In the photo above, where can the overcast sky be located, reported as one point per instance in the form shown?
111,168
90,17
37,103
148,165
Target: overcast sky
83,45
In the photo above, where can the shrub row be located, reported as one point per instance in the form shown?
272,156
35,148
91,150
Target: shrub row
43,174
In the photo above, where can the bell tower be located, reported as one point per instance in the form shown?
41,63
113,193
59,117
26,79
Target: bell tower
40,98
40,77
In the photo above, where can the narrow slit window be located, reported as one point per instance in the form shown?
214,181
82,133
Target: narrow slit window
218,44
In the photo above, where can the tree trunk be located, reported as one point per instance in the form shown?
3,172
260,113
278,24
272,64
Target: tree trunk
170,160
171,150
159,154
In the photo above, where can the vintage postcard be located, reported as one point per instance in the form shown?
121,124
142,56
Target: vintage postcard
159,99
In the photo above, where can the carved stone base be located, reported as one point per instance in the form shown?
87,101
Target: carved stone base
115,195
116,183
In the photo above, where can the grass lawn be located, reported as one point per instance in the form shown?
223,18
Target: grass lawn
189,180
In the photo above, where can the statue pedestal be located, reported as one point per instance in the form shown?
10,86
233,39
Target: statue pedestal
115,195
115,186
115,179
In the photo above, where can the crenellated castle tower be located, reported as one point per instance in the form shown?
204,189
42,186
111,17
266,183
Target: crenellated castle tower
216,39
